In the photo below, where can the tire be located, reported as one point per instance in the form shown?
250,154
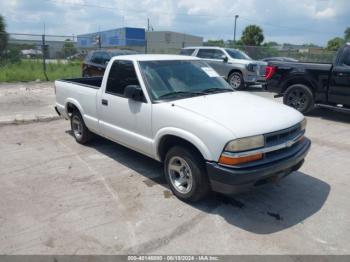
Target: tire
186,175
299,97
81,133
236,80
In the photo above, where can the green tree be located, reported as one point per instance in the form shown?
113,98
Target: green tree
347,34
68,48
335,43
252,35
270,44
3,35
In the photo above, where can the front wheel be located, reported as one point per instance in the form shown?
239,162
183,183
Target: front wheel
186,174
236,80
299,97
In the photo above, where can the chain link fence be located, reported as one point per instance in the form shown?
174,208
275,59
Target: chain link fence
30,57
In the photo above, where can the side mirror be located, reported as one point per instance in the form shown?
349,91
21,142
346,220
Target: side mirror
224,58
134,92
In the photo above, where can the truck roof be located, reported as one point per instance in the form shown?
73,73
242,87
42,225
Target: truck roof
206,47
154,57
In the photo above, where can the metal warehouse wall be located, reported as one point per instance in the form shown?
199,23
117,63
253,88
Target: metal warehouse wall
170,42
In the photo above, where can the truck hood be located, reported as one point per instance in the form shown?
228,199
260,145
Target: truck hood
246,62
242,113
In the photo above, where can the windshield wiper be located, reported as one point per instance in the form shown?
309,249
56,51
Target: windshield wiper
180,93
217,90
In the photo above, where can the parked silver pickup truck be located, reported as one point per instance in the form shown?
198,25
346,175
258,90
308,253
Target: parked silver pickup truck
233,65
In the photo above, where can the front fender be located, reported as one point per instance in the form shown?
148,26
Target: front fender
197,142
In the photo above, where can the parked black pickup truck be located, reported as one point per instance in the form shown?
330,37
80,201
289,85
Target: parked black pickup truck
308,85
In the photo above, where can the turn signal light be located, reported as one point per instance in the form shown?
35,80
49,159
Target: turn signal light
226,160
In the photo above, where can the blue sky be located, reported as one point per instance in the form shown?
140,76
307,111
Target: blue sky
292,21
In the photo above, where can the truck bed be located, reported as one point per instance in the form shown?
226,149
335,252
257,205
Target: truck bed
301,65
92,82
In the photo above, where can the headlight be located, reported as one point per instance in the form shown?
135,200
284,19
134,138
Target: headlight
303,124
245,143
251,67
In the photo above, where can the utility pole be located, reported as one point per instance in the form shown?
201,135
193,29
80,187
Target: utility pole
44,51
99,37
234,34
146,36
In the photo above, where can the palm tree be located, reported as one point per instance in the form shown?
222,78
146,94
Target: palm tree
3,35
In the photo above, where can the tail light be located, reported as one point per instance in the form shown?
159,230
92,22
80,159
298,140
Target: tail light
269,71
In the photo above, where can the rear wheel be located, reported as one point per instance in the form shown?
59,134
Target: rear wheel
186,174
299,97
81,133
236,80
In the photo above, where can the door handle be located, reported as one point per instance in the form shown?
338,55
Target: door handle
104,102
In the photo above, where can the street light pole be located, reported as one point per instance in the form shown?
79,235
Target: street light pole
234,35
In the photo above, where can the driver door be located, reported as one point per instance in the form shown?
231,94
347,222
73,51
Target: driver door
339,87
214,57
124,120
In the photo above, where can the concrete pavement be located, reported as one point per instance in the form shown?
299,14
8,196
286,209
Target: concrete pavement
59,197
27,102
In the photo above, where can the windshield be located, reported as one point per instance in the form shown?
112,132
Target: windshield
237,54
181,78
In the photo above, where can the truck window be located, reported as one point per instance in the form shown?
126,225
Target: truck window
210,53
96,58
121,75
105,57
346,59
186,51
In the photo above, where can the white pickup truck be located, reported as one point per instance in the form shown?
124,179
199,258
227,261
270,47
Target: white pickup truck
177,110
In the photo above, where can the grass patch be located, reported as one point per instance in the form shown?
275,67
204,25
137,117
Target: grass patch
31,70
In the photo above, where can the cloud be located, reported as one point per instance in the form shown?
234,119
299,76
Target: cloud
326,13
281,20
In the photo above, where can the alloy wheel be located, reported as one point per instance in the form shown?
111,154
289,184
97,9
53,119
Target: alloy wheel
180,174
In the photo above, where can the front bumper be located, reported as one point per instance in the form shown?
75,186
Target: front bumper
229,180
254,80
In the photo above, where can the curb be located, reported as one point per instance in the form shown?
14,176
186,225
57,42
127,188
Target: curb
20,120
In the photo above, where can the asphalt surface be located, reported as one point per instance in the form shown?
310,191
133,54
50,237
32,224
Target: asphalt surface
59,197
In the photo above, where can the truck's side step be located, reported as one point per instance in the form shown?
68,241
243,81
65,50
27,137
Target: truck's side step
335,108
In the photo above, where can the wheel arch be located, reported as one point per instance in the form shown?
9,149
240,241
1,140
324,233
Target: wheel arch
72,105
233,71
165,140
298,79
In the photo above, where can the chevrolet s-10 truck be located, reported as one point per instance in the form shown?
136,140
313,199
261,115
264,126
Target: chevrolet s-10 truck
179,111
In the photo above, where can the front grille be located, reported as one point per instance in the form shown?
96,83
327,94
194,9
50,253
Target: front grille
281,136
277,138
262,69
